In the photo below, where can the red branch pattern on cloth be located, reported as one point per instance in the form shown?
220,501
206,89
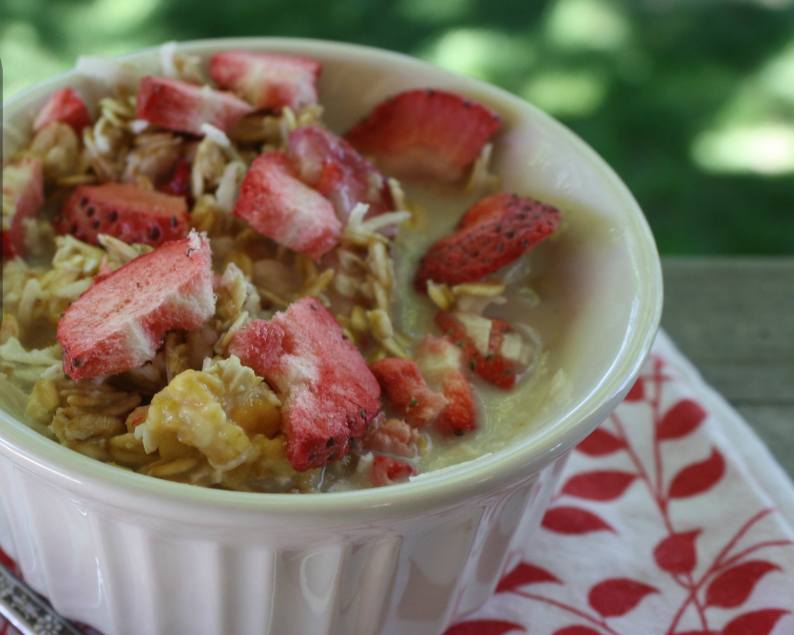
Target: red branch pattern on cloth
653,531
699,581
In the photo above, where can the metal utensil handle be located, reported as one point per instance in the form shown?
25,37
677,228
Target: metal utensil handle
27,611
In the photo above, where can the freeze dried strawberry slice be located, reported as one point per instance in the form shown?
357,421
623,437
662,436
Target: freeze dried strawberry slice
267,80
407,389
278,205
23,196
491,348
329,395
335,169
121,321
442,363
385,470
183,107
259,345
425,133
66,106
128,212
493,233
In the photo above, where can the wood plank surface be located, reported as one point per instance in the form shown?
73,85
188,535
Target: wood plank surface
734,318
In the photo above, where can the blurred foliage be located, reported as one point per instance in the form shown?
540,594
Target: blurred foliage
691,101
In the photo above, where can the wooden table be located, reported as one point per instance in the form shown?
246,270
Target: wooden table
734,318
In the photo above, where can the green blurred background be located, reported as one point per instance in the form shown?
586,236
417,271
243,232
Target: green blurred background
691,101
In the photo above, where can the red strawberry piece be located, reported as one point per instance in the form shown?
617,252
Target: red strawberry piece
407,389
335,169
278,205
128,212
491,348
121,321
329,395
179,182
392,436
66,106
259,345
385,471
425,133
267,80
442,363
493,233
459,416
183,107
23,196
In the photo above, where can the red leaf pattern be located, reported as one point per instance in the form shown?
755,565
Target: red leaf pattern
576,630
637,391
601,442
676,554
484,627
524,573
574,520
618,596
754,623
599,485
682,419
698,477
732,587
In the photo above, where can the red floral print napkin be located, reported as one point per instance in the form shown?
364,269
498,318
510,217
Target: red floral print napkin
671,519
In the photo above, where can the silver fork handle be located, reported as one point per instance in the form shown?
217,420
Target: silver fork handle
26,611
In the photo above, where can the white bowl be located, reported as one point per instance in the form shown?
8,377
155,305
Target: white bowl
128,553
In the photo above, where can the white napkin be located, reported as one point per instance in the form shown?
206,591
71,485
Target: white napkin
672,518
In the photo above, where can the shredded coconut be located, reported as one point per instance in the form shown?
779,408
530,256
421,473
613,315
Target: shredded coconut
137,126
216,134
167,55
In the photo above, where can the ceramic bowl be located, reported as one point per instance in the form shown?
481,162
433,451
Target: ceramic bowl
128,553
